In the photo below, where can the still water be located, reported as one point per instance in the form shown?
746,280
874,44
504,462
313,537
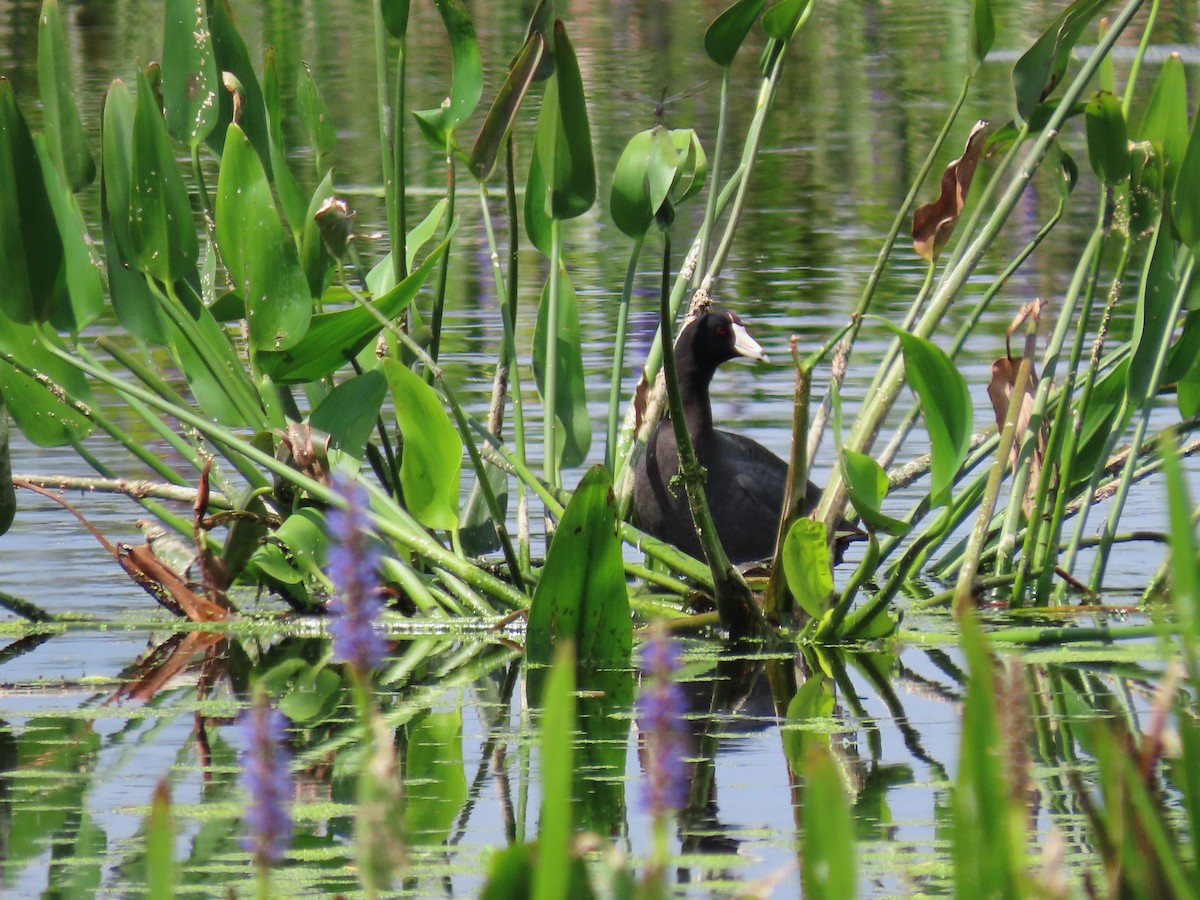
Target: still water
864,93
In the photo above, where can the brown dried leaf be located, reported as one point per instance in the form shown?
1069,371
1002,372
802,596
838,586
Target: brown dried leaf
934,222
161,583
1000,389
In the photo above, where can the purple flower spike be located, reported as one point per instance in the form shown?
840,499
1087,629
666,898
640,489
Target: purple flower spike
660,711
266,777
353,569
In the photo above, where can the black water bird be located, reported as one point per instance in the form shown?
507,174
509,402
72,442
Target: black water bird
745,482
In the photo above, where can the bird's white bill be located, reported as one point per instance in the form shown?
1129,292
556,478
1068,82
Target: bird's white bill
744,345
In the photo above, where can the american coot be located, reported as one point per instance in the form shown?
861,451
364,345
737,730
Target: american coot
746,481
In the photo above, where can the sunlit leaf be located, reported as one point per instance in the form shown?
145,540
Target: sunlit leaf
433,449
503,114
563,141
725,35
808,565
1164,123
571,389
867,486
190,81
582,598
934,222
629,203
1041,68
466,85
783,19
60,114
349,413
537,213
1108,143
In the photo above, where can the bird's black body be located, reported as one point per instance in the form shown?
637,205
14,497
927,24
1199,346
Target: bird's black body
745,482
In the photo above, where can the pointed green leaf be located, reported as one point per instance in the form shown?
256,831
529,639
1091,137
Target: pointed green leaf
537,211
1152,316
1185,196
725,35
783,19
629,202
1041,68
315,257
582,598
556,827
349,413
395,16
981,29
160,845
291,200
571,401
31,250
662,167
466,84
693,165
314,115
867,485
563,141
503,114
334,338
808,565
84,296
432,460
257,251
1164,124
1108,143
190,82
60,114
232,56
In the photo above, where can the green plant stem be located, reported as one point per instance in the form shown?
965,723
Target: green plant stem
388,117
618,364
510,327
439,298
1135,67
399,237
550,376
739,614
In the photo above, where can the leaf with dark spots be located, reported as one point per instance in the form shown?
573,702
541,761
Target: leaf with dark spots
934,222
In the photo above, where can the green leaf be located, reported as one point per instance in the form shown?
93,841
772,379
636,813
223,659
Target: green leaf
189,72
945,405
725,35
303,535
827,867
34,404
432,459
662,167
314,115
563,140
257,251
1041,68
477,533
162,232
571,401
313,695
537,213
1185,565
291,200
1152,317
503,113
31,250
60,114
84,294
784,19
1108,143
1099,420
1164,123
349,413
582,597
232,56
556,829
333,339
315,257
813,700
435,783
981,30
808,566
629,202
160,845
510,873
867,485
466,85
381,278
1185,195
395,16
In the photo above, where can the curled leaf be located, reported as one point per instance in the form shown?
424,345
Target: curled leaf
934,222
1000,392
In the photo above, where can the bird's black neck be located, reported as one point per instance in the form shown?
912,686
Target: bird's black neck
694,379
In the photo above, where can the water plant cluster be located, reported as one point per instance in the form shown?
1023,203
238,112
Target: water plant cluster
225,304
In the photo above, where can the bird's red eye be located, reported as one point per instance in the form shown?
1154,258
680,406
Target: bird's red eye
722,330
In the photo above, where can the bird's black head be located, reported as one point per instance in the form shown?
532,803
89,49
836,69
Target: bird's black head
718,336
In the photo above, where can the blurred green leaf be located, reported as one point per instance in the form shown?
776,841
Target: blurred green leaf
334,338
503,114
1164,123
60,114
827,865
556,829
466,85
395,16
162,232
582,598
31,250
1185,565
808,566
1107,141
981,30
257,251
571,401
510,873
563,140
434,779
1041,68
314,115
291,200
728,30
1152,316
783,19
867,485
433,449
1185,194
190,81
813,700
313,696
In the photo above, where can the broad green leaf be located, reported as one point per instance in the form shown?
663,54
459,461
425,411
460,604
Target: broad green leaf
162,232
1041,68
571,400
662,167
981,30
303,534
725,35
291,200
477,533
867,485
1108,143
563,140
315,257
582,597
160,845
1164,123
432,460
945,405
510,873
314,115
556,828
1147,194
503,113
257,251
232,56
1152,316
395,16
60,114
783,19
466,85
313,696
808,565
334,338
1185,194
693,165
629,202
349,413
537,213
435,782
84,297
190,81
827,865
8,493
31,250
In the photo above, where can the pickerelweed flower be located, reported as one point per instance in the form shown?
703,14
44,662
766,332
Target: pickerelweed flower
353,568
267,778
660,713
